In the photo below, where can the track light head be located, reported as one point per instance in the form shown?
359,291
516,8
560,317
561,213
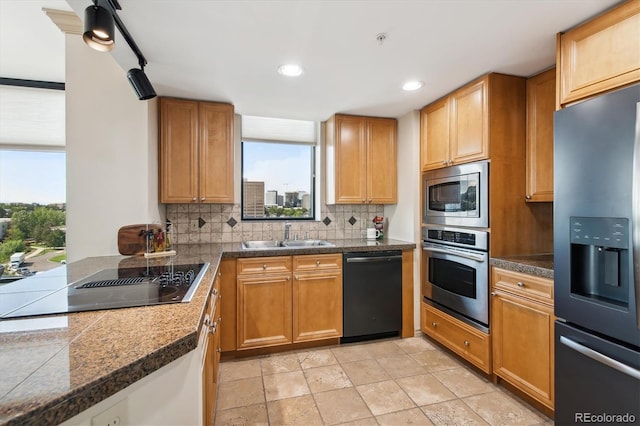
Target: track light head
99,28
141,84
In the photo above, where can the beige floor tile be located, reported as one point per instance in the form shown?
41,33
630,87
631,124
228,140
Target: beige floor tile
294,411
234,370
351,352
239,393
454,412
401,366
326,378
384,348
385,397
497,408
369,421
413,416
425,389
317,358
365,371
341,405
285,385
435,360
243,416
463,382
275,364
415,344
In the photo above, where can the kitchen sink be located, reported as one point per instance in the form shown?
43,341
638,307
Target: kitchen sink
278,244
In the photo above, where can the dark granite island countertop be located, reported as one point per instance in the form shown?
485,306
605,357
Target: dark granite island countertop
540,265
57,366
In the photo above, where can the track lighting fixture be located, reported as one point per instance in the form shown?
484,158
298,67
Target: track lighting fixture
99,34
98,28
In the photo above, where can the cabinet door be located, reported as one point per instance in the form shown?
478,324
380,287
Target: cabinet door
216,152
434,135
382,168
264,310
228,306
469,137
601,54
317,305
523,344
350,160
178,151
541,92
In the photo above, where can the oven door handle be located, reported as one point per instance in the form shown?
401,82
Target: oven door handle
469,256
602,359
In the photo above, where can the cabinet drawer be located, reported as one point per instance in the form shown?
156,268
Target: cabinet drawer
526,285
260,265
461,338
314,262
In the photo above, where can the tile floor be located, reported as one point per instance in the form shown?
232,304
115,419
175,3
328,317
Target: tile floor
388,382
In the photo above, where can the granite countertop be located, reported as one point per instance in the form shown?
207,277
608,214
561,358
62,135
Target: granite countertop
56,366
540,265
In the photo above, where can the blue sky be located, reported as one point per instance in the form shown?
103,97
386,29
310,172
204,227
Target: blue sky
283,167
32,177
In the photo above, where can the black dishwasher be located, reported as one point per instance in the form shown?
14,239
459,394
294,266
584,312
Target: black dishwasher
372,295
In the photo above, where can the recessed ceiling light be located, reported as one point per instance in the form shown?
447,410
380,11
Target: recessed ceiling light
412,85
290,70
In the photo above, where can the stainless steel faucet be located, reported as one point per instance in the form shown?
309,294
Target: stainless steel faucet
287,226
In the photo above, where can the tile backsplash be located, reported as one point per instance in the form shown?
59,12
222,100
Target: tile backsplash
222,223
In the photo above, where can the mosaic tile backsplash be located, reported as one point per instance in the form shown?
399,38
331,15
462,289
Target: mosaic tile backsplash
222,223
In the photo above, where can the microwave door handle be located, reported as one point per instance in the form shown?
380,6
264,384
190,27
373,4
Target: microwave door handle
635,219
455,253
602,359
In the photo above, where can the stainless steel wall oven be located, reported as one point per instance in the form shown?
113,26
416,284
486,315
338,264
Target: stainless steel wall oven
456,272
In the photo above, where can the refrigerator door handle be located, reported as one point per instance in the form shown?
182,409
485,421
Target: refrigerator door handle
602,359
635,214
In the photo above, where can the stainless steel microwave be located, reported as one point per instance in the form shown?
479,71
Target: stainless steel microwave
457,195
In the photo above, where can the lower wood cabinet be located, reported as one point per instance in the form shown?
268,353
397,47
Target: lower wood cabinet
522,332
278,303
210,341
463,339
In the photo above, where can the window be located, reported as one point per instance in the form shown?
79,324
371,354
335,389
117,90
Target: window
278,169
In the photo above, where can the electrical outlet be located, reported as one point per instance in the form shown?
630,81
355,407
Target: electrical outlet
116,415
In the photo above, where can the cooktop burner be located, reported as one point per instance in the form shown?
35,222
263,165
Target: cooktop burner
106,289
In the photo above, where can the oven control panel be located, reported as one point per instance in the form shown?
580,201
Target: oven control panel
469,238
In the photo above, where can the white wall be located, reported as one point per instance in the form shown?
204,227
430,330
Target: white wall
404,217
111,152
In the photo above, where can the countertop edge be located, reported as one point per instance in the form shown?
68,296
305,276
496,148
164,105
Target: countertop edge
536,265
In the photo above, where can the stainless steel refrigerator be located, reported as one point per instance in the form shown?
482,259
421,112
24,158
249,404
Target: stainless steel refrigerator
596,260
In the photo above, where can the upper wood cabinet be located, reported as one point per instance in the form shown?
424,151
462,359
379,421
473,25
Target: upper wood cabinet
196,152
361,160
455,129
599,55
541,91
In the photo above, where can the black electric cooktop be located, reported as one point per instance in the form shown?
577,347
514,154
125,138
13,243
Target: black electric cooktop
51,293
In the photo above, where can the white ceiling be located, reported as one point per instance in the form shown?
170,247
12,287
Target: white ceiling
229,50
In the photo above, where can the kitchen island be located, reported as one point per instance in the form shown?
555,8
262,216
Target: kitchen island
59,366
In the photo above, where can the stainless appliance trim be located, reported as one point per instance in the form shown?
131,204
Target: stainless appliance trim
448,174
635,214
602,359
373,259
482,237
436,248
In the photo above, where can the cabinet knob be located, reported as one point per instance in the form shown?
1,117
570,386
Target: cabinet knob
435,324
444,162
317,263
289,278
364,201
202,199
296,277
520,284
450,162
466,343
215,291
370,200
264,266
219,350
493,293
193,199
219,273
528,197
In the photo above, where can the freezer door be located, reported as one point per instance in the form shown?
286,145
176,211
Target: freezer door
597,381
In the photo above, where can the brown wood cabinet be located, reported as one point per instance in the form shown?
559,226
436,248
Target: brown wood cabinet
522,332
463,339
541,92
455,129
361,160
210,341
599,55
288,299
196,151
228,299
263,302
